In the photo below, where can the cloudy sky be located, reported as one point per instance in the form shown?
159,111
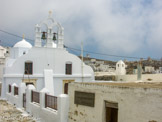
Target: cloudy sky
117,27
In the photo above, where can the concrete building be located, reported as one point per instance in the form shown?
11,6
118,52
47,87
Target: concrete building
47,65
115,102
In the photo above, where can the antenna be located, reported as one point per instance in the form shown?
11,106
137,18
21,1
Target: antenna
82,59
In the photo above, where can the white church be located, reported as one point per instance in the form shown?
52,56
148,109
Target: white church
47,65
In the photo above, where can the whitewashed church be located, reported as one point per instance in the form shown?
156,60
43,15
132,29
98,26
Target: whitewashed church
47,65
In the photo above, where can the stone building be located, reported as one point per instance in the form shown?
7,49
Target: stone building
115,102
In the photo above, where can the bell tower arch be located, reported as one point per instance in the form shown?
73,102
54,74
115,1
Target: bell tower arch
50,35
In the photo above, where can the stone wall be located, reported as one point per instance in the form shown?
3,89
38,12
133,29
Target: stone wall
135,104
145,77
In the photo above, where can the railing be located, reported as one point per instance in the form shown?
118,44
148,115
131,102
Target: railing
51,101
16,90
9,88
35,96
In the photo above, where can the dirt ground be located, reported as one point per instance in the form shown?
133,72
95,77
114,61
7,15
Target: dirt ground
9,113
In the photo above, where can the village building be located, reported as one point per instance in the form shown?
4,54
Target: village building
45,65
120,68
115,102
4,53
149,69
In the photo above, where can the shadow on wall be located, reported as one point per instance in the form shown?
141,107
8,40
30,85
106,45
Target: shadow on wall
0,88
105,78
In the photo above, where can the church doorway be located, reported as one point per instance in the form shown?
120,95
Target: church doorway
66,84
66,88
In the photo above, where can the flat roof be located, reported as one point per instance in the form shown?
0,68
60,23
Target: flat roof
129,84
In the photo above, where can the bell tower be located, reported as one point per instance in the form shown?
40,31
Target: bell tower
50,36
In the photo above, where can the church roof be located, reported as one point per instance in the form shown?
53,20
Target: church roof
23,43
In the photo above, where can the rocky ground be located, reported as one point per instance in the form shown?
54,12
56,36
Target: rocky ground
9,113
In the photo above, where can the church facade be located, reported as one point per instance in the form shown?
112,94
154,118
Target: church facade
47,64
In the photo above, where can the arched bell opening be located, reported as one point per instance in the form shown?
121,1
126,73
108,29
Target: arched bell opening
43,34
55,34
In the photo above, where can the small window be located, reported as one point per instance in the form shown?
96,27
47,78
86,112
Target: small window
16,90
68,69
24,53
29,68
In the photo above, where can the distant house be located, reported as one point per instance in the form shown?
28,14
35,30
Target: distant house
160,69
120,68
47,64
149,69
4,53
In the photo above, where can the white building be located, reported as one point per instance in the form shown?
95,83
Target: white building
4,53
160,69
120,68
50,66
149,69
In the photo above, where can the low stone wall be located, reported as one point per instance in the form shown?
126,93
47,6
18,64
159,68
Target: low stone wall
145,77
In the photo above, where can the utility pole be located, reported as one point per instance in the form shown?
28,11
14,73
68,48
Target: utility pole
139,71
82,59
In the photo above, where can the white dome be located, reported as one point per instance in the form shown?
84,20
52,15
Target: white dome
23,44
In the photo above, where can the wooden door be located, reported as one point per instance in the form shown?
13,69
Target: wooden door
66,88
111,114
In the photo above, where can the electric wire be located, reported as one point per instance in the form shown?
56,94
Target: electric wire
96,53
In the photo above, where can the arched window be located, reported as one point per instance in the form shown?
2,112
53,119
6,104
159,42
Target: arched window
28,68
68,68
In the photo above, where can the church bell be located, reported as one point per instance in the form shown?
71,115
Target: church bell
44,35
54,36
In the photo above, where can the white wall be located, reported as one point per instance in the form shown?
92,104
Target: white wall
134,104
38,110
53,59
